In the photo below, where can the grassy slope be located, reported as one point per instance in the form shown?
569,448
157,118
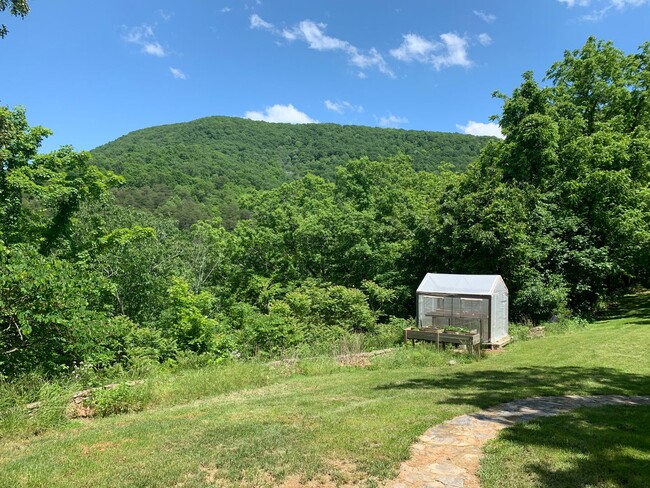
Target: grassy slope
599,447
347,426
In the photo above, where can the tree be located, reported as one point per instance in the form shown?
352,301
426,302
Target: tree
561,206
19,8
40,193
51,303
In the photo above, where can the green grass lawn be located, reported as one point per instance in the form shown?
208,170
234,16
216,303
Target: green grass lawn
316,421
602,447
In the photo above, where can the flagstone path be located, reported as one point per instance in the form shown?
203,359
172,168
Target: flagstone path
448,455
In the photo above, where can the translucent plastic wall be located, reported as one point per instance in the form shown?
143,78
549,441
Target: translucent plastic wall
467,313
499,312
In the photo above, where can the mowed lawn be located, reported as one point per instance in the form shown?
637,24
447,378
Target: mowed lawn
347,426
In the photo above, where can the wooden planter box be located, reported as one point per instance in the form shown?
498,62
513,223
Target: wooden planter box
472,341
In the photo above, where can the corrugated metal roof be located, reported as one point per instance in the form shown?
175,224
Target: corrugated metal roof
458,284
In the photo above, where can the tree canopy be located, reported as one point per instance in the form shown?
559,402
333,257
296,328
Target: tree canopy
19,8
560,208
196,170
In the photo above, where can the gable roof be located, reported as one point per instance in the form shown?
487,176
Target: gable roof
459,284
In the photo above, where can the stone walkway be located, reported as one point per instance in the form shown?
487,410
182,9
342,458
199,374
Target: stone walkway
448,455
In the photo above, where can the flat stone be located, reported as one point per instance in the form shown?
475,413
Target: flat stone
448,455
445,469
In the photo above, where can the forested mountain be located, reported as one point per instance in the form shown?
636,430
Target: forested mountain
186,170
560,208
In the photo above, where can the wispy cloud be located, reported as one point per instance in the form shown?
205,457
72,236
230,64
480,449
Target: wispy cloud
451,51
165,15
281,113
342,107
313,34
177,73
481,129
225,10
144,37
484,39
489,18
573,3
601,8
392,121
258,22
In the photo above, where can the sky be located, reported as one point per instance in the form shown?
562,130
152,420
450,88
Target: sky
94,71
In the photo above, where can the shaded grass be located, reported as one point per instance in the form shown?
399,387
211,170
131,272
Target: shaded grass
256,425
602,447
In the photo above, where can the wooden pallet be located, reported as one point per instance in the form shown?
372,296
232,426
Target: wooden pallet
498,344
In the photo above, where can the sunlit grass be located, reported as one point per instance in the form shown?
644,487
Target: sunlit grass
257,424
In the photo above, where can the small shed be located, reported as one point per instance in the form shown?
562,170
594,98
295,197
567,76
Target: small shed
471,303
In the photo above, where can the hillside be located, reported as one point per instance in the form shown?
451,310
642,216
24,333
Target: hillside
185,169
316,422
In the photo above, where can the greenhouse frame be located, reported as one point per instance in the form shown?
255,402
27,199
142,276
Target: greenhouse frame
475,304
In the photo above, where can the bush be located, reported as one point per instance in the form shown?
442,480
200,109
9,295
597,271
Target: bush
270,333
389,334
539,298
322,306
121,399
46,314
186,319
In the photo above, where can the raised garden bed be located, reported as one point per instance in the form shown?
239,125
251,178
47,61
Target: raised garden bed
472,340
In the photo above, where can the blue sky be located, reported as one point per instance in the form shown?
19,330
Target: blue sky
93,71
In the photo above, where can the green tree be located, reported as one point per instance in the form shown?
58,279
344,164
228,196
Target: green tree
40,193
560,207
19,8
49,313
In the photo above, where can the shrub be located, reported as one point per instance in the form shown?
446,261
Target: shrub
121,399
46,314
539,298
272,332
391,333
323,306
186,319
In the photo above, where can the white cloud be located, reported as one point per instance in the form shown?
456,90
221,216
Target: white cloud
392,121
281,113
341,107
314,35
481,129
144,37
258,22
177,73
452,51
154,48
414,48
603,7
225,10
573,3
484,39
489,18
165,15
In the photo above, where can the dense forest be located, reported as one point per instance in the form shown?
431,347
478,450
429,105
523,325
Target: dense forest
197,170
333,241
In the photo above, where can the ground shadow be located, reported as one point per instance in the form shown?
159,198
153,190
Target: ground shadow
599,447
487,388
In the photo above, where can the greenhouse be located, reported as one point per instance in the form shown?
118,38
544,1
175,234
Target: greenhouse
470,304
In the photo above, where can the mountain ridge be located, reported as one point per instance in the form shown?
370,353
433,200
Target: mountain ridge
205,164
